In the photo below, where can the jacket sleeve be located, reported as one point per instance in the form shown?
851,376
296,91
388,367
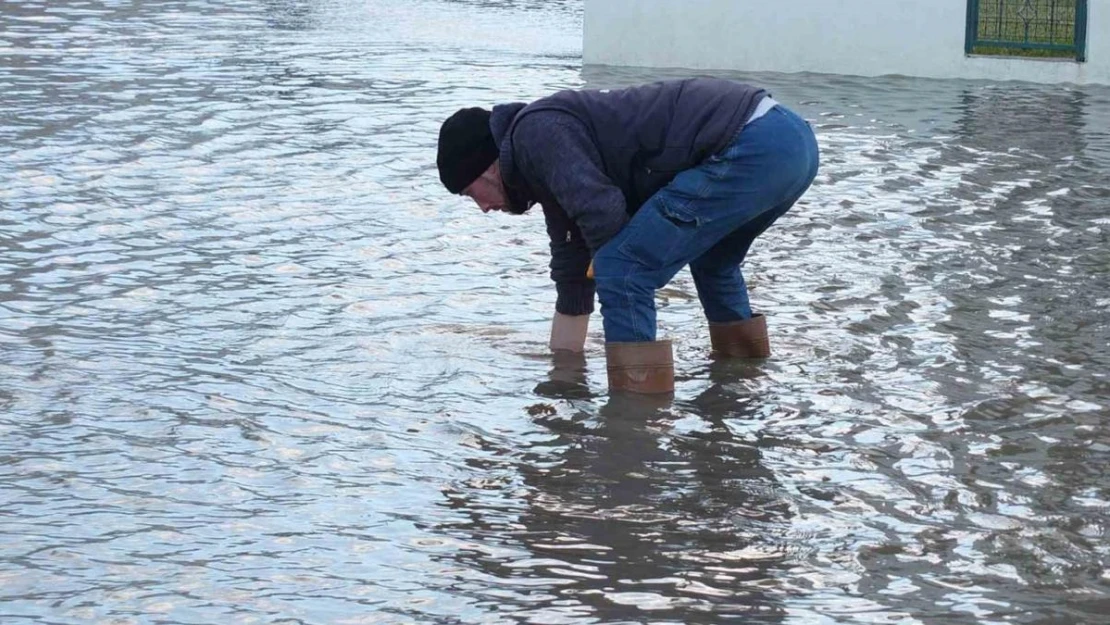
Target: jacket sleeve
555,151
570,258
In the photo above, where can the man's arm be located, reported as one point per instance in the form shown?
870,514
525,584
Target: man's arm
555,150
570,259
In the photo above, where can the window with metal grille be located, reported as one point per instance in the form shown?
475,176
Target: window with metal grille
1044,28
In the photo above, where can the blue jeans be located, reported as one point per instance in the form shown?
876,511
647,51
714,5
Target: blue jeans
707,217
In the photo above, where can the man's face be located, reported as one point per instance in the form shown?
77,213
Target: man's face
488,192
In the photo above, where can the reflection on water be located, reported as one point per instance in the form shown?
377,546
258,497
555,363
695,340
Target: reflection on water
257,367
630,509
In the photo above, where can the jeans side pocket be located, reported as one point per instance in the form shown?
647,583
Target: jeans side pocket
660,236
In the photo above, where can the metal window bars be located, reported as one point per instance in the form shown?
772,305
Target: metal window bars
1054,28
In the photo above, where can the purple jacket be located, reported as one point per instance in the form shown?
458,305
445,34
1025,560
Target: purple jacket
592,158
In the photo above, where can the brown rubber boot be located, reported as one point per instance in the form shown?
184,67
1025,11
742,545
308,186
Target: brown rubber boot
740,339
646,367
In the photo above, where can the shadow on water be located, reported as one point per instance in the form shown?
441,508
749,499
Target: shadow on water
637,508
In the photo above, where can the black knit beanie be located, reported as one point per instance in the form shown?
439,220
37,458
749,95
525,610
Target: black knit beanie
466,148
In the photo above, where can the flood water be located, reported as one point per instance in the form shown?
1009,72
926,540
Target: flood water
256,366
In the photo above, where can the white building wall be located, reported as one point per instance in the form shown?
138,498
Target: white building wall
857,37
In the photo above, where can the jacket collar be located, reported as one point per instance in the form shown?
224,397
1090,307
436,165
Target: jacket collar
502,119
